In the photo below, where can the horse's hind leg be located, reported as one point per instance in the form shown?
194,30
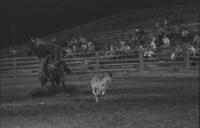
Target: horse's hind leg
54,85
43,80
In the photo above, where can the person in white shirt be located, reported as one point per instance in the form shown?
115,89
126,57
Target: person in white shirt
192,50
153,44
122,44
166,41
91,47
111,52
196,39
127,48
84,47
148,53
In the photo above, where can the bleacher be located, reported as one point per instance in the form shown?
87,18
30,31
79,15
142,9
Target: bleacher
104,31
116,27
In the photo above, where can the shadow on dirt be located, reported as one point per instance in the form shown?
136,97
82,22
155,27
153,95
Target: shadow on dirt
50,91
84,90
81,92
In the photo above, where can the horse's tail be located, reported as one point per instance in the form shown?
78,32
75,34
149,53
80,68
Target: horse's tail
44,65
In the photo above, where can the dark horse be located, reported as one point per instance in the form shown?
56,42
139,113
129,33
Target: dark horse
42,48
55,73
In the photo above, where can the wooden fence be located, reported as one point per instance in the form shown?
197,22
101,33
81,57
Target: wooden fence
132,63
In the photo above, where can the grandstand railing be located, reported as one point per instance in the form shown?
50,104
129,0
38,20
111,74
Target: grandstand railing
120,63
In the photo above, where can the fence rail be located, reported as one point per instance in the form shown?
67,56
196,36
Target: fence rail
132,63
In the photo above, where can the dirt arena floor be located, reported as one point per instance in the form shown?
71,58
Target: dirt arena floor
149,102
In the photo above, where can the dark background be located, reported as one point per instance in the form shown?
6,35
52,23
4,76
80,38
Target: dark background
21,19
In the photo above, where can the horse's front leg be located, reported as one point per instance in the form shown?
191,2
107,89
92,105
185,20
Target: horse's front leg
95,93
62,79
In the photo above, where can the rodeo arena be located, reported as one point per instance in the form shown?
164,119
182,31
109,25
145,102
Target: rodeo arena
136,69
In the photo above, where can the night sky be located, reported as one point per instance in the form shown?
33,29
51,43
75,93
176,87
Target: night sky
21,19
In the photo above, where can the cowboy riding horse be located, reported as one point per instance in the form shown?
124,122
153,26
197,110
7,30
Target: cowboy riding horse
53,68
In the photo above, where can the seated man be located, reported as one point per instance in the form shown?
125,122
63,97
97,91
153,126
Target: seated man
192,50
111,52
153,44
196,39
84,47
148,53
91,47
166,41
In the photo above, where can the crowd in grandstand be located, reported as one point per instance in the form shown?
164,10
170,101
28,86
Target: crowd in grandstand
79,45
171,34
175,36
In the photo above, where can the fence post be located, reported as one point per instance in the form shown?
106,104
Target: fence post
187,56
15,67
97,62
141,66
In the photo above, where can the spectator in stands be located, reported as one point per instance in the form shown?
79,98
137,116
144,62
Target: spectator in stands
184,35
196,39
70,44
122,45
140,35
112,48
111,51
74,49
82,39
166,41
69,51
132,42
84,47
192,50
37,41
176,53
148,53
127,48
91,47
158,41
74,42
158,28
172,56
165,21
157,24
153,44
13,52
